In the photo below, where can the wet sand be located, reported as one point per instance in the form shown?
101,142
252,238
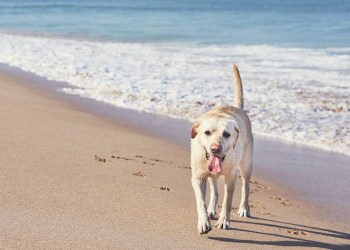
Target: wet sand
77,179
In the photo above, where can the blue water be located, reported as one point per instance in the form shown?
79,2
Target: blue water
289,23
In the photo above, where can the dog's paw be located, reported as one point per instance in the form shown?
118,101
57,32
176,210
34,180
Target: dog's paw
223,223
211,214
244,212
204,226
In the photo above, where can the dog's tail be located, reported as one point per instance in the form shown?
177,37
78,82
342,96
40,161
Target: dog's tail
238,88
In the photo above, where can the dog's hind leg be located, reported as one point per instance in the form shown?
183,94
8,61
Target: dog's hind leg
244,210
224,218
214,196
200,186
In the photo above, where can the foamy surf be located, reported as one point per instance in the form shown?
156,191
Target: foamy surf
293,94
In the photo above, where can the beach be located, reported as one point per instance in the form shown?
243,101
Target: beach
97,99
72,179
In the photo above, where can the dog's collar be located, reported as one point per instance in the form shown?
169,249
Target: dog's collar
207,155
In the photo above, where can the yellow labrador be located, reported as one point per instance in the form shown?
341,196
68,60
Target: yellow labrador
222,143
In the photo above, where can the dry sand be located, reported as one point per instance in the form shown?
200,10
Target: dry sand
73,180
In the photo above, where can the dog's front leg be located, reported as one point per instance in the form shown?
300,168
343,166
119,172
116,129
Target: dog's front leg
224,218
214,196
200,186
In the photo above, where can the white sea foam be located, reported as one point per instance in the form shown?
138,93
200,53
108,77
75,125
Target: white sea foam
294,94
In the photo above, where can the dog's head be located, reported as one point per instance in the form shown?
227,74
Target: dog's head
217,135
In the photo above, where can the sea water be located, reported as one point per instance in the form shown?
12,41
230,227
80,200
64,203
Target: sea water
175,58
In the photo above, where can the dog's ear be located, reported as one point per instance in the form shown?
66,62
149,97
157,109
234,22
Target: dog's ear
195,126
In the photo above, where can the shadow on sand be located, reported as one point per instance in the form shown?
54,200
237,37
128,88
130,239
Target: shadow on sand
290,240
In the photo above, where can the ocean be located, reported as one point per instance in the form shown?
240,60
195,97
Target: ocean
174,58
293,23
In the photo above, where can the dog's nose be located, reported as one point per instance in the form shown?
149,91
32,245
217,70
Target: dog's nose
215,149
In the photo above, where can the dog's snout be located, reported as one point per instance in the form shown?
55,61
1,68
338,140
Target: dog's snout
216,149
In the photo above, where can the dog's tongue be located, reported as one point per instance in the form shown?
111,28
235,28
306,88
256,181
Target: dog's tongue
214,164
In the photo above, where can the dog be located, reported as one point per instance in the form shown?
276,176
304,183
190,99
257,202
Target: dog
221,144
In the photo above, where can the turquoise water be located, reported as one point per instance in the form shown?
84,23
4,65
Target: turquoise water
291,23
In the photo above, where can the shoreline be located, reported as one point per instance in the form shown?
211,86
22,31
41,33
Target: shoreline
277,210
137,119
151,82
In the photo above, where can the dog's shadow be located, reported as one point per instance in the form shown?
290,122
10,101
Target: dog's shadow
288,241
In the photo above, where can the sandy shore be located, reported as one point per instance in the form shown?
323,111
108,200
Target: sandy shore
74,180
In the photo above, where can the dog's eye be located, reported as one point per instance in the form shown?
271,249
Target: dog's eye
207,132
226,134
